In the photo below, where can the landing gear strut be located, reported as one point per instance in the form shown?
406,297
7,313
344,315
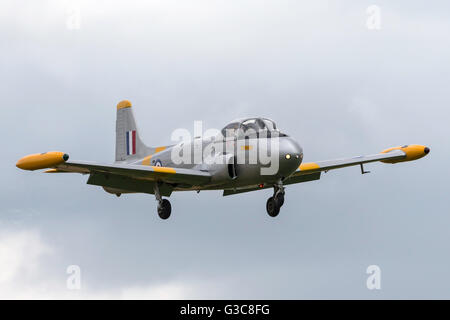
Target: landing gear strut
274,203
164,206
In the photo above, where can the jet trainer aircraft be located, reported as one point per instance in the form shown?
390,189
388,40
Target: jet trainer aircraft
141,169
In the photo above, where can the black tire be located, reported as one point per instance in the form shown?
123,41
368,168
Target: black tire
280,199
164,209
273,209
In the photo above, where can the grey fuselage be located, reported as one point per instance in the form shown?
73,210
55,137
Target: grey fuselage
233,163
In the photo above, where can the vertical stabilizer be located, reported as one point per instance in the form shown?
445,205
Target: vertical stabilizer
129,146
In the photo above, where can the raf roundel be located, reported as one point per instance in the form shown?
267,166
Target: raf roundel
158,163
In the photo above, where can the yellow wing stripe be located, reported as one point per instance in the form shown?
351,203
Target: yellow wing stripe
146,161
164,169
309,166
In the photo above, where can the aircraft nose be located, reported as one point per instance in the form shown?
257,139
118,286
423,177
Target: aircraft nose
426,150
291,154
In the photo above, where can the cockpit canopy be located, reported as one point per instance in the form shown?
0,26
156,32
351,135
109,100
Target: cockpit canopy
250,127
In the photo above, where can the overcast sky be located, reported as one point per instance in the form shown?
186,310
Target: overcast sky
338,87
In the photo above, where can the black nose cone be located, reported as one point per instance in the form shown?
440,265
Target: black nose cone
426,150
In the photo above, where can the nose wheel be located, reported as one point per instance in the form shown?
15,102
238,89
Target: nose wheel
272,206
274,203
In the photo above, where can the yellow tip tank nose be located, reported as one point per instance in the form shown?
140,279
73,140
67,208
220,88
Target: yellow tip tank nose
412,152
42,160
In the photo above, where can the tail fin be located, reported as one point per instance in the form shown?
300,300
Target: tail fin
128,144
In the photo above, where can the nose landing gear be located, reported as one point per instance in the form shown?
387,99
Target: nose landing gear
274,203
273,209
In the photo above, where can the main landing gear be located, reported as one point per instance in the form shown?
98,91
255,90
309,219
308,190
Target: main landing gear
164,209
164,206
274,203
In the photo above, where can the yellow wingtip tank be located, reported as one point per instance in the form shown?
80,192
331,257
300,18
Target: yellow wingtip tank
42,160
412,152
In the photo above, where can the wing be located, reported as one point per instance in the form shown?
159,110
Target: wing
311,171
125,177
120,178
391,155
149,173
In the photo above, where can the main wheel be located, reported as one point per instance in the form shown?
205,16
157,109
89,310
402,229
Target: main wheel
272,207
164,209
280,199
